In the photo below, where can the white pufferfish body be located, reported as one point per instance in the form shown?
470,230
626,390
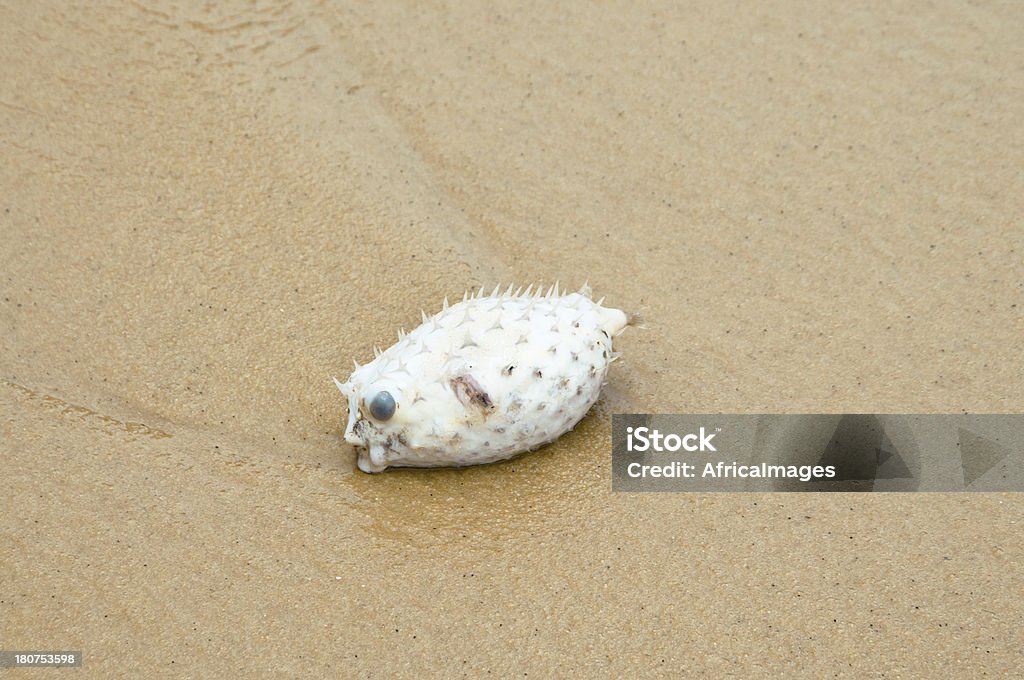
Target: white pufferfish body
481,381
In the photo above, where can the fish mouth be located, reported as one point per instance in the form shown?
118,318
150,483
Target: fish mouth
373,455
359,431
372,458
350,434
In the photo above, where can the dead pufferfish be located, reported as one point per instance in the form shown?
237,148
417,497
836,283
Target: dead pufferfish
482,380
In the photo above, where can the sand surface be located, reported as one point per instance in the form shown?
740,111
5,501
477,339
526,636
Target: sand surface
209,209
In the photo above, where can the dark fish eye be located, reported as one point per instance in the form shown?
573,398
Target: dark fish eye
382,406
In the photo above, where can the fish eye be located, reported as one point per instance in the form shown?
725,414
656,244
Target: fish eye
382,406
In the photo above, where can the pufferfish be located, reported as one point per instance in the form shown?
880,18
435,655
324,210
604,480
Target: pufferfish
482,380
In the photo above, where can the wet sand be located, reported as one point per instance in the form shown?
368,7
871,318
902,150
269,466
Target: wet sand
208,211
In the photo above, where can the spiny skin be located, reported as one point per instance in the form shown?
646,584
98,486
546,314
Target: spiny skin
483,380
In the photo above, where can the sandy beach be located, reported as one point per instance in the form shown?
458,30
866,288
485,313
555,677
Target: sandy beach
207,210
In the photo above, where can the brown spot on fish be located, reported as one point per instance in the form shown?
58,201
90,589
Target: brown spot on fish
470,393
